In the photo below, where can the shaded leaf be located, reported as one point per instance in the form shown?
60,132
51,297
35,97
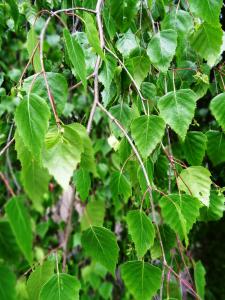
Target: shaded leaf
7,284
217,108
76,56
194,147
32,41
141,230
216,146
120,186
82,182
19,221
199,275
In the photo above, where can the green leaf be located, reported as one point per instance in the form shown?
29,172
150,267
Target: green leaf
19,221
7,284
120,186
87,156
60,287
34,176
216,146
216,207
93,215
58,87
217,108
31,118
161,49
126,43
62,153
147,132
32,41
177,109
141,278
194,147
180,213
196,182
100,243
9,250
124,114
92,34
82,182
138,66
108,71
141,230
178,20
76,56
38,278
207,10
199,275
14,11
207,42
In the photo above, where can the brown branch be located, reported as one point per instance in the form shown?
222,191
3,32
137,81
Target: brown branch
7,185
73,87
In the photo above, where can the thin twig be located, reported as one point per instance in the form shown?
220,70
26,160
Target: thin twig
51,99
7,146
131,78
73,87
7,185
97,66
113,119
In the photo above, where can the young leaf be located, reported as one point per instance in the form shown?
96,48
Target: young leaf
147,132
199,275
177,109
60,287
93,215
38,278
217,108
120,186
100,243
207,42
82,183
108,71
76,56
194,147
196,182
58,86
32,41
141,279
92,34
34,176
31,118
141,230
216,146
7,284
62,153
180,213
207,10
87,156
162,48
19,221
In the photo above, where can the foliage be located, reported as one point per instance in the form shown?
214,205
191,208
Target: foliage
112,122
